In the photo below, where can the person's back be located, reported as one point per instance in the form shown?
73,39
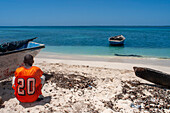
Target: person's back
28,83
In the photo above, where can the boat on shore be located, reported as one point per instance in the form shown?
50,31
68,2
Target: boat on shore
12,55
117,40
152,75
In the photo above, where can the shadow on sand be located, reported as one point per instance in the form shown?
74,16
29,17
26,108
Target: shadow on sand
156,86
42,102
6,90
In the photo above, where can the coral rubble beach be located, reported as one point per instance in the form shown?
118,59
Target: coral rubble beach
92,84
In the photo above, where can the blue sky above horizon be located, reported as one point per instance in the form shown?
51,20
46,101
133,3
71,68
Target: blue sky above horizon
84,12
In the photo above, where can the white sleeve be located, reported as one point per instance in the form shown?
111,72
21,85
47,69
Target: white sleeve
13,80
42,79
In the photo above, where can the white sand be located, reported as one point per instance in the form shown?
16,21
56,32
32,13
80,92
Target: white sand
105,61
107,74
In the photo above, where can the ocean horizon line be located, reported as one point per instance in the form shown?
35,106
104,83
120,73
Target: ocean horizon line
86,26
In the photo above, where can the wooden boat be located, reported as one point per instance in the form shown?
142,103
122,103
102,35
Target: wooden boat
152,75
117,40
12,55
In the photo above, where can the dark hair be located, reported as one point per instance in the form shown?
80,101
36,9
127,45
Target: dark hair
28,59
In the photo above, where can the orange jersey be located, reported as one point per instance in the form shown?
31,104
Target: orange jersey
28,84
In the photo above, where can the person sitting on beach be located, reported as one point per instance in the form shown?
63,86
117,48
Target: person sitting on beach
28,81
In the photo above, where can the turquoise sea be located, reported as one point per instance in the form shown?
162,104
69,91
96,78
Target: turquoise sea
147,41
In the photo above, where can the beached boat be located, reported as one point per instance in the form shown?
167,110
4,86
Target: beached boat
12,55
117,40
152,75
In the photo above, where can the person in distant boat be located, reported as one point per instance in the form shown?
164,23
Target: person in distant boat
28,81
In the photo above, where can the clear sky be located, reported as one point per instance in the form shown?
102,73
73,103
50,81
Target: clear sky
84,12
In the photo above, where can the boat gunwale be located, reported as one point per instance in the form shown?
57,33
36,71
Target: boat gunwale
150,69
117,40
24,49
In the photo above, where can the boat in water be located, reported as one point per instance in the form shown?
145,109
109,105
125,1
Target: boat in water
12,55
117,40
152,75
